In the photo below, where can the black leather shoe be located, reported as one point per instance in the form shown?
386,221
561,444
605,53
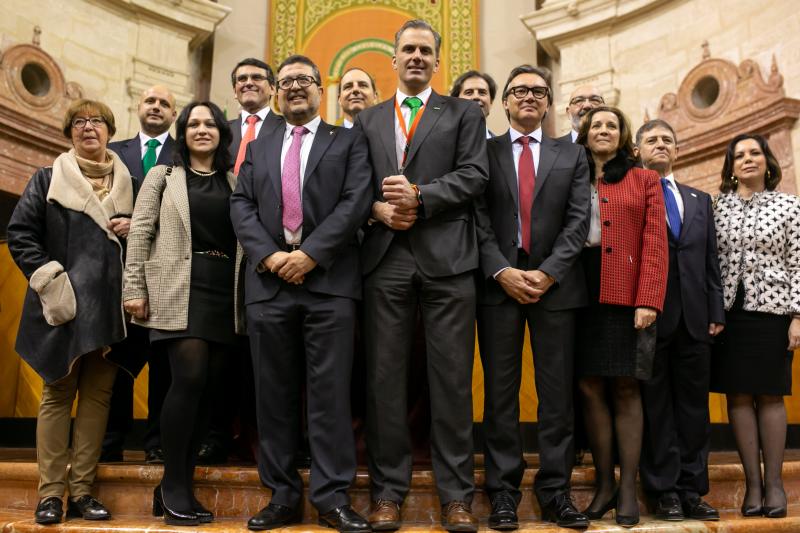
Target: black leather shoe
345,520
172,517
154,456
211,454
669,508
49,510
504,512
627,520
562,511
273,516
87,508
600,513
204,515
774,512
697,509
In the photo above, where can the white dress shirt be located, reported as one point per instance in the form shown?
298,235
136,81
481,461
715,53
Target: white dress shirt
347,124
673,188
399,136
294,237
144,138
595,233
262,114
574,135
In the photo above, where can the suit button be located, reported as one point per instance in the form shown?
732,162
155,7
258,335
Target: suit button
604,200
608,250
606,222
515,215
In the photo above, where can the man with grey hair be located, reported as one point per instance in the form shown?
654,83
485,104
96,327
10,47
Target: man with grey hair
582,100
419,255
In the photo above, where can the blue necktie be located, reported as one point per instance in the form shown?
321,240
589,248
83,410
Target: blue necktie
673,214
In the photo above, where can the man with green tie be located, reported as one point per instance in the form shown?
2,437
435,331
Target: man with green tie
153,145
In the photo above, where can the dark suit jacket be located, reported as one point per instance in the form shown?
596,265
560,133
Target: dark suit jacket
694,289
566,138
130,151
447,161
559,220
336,202
271,122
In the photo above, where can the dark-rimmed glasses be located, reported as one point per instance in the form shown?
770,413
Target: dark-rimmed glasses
595,99
302,81
522,91
80,123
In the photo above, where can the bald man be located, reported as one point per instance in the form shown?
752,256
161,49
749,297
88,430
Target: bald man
152,146
582,100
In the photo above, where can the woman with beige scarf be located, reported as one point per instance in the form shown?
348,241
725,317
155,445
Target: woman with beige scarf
67,236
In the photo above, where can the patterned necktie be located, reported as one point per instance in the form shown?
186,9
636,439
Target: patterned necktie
526,175
290,182
249,135
673,214
149,159
413,103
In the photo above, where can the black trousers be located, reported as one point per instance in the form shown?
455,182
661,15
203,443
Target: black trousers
501,332
393,295
676,420
120,415
298,329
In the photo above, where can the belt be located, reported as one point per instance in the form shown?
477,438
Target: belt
214,253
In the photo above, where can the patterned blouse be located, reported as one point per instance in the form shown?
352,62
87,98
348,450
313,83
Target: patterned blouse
758,240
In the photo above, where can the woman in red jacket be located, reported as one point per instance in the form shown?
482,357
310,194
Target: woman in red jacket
625,260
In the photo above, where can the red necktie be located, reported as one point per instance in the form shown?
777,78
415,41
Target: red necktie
249,135
526,176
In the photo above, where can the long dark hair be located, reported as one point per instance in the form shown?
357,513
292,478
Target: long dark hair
222,156
771,180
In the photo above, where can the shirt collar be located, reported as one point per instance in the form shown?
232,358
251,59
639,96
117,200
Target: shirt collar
536,134
311,126
671,180
143,138
347,124
424,95
261,113
574,135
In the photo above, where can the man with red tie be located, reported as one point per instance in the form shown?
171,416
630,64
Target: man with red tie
532,223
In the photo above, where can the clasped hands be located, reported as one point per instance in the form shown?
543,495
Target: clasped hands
399,211
524,286
120,226
291,267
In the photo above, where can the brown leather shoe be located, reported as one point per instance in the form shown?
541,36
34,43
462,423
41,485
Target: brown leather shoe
385,515
457,516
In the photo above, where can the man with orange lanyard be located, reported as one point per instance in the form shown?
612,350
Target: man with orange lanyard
419,255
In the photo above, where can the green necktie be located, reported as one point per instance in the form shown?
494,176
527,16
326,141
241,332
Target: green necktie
413,103
149,159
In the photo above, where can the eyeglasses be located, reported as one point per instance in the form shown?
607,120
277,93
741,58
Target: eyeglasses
521,92
80,123
595,99
302,81
256,78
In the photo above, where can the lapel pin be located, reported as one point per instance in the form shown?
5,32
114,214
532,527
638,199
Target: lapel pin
693,194
331,132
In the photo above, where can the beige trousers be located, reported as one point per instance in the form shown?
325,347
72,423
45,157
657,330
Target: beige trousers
92,378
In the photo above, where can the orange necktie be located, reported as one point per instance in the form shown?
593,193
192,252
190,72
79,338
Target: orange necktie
249,135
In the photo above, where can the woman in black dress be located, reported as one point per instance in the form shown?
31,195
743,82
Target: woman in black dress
758,237
179,281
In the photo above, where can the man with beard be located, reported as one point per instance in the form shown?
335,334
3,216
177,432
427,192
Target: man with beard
582,100
357,92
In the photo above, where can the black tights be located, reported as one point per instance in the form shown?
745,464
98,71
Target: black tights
601,426
759,425
195,366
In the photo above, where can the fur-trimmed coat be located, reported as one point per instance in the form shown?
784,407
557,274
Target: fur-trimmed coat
59,239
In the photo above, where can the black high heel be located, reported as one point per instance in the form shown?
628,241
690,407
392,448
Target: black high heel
775,512
204,515
752,510
597,515
627,520
173,518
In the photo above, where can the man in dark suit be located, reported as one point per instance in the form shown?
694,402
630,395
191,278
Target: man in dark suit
420,253
478,87
582,100
533,222
357,92
253,84
303,192
674,467
153,145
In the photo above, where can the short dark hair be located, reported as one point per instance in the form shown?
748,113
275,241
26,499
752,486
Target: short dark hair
89,106
305,60
418,24
625,137
773,176
459,83
351,69
651,125
222,157
528,69
253,62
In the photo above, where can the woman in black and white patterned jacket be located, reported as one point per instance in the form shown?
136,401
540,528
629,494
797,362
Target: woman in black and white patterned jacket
758,236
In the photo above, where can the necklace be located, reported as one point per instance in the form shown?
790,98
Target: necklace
202,172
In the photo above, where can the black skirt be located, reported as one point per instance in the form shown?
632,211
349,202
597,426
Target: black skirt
750,355
608,345
210,303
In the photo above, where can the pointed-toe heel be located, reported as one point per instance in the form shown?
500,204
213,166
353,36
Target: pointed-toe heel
172,517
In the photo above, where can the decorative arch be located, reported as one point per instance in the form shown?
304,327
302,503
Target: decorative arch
345,55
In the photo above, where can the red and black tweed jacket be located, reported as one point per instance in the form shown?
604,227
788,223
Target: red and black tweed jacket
635,250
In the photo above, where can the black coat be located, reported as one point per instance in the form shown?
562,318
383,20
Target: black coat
41,231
